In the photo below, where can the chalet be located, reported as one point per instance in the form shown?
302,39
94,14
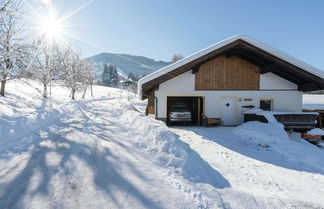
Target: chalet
229,77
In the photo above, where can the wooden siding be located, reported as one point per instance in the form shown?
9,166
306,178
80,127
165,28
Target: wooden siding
151,103
222,73
184,68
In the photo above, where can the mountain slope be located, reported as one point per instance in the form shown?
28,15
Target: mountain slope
125,63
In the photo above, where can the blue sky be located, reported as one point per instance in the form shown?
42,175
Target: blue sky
159,29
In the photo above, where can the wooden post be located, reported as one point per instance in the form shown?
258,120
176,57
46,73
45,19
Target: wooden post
198,122
2,91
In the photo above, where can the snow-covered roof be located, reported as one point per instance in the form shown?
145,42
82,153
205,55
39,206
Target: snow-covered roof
262,46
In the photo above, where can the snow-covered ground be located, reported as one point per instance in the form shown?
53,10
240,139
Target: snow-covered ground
102,152
76,155
273,173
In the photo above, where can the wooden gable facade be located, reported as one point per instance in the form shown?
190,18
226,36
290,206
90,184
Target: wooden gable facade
227,73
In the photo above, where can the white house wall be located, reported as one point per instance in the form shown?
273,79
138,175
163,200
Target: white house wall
284,99
270,81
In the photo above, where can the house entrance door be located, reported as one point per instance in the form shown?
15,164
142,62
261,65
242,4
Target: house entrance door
228,110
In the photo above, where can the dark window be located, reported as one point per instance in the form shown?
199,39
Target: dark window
266,105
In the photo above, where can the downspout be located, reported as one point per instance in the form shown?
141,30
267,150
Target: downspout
155,102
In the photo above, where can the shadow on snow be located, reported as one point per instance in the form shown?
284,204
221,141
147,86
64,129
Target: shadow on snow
224,137
103,162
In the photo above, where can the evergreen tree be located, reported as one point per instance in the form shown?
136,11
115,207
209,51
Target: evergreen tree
105,78
131,76
113,75
110,76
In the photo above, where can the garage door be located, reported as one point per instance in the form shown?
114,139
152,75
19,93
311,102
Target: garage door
195,104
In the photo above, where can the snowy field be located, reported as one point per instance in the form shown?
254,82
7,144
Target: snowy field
102,152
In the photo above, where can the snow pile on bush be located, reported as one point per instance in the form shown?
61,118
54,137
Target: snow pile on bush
316,132
262,134
273,136
321,144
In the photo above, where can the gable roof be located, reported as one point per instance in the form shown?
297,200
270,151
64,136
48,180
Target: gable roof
296,68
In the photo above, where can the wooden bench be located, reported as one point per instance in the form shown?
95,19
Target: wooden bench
211,122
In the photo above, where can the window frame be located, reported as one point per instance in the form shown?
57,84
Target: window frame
266,99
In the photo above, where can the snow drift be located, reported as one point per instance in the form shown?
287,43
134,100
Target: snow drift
273,136
169,151
261,133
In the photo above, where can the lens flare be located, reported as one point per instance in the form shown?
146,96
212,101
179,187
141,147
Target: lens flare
51,28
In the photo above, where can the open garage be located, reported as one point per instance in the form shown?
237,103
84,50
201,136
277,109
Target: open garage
194,105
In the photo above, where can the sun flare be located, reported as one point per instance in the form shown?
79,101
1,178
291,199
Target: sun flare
51,28
55,28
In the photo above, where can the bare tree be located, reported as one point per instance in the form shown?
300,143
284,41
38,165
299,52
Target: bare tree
46,64
3,5
73,65
131,88
93,80
176,57
87,75
13,52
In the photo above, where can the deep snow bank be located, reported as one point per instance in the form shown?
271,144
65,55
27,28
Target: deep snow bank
168,150
262,133
156,138
273,136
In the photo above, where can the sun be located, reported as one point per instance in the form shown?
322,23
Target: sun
54,27
51,28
